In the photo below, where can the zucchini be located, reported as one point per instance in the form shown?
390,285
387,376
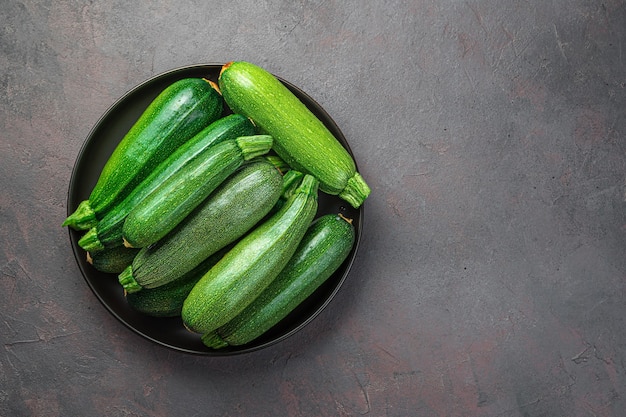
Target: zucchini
300,138
323,249
108,232
167,300
251,265
291,181
180,111
226,215
113,260
164,208
278,162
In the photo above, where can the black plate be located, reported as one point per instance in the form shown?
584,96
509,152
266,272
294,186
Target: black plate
169,332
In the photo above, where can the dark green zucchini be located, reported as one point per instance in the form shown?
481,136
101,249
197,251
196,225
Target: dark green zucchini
325,246
108,232
239,203
252,264
113,260
167,300
163,209
300,138
174,116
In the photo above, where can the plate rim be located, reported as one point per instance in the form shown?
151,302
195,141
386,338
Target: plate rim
79,253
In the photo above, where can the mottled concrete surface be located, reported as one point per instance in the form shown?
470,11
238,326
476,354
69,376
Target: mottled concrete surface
491,276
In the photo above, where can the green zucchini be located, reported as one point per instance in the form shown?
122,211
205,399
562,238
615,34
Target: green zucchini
252,264
108,232
164,208
300,138
278,162
113,260
291,181
239,203
323,249
167,300
180,111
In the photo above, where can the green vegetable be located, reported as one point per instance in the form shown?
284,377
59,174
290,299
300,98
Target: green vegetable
278,162
291,181
232,210
253,263
300,138
113,260
168,205
175,115
108,232
323,249
167,300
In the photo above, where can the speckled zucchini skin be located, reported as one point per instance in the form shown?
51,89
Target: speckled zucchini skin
163,209
231,211
174,116
108,232
167,300
247,269
300,138
325,246
113,260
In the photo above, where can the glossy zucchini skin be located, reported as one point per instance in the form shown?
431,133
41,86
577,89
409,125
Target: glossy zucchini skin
167,300
300,138
108,231
179,112
175,198
235,207
325,246
252,264
113,260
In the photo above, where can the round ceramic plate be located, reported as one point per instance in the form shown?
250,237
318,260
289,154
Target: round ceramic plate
169,332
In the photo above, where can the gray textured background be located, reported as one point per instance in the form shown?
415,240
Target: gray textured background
491,276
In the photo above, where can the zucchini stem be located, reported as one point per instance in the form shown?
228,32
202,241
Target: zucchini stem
348,219
356,191
309,185
90,241
278,163
128,282
255,145
83,218
291,180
